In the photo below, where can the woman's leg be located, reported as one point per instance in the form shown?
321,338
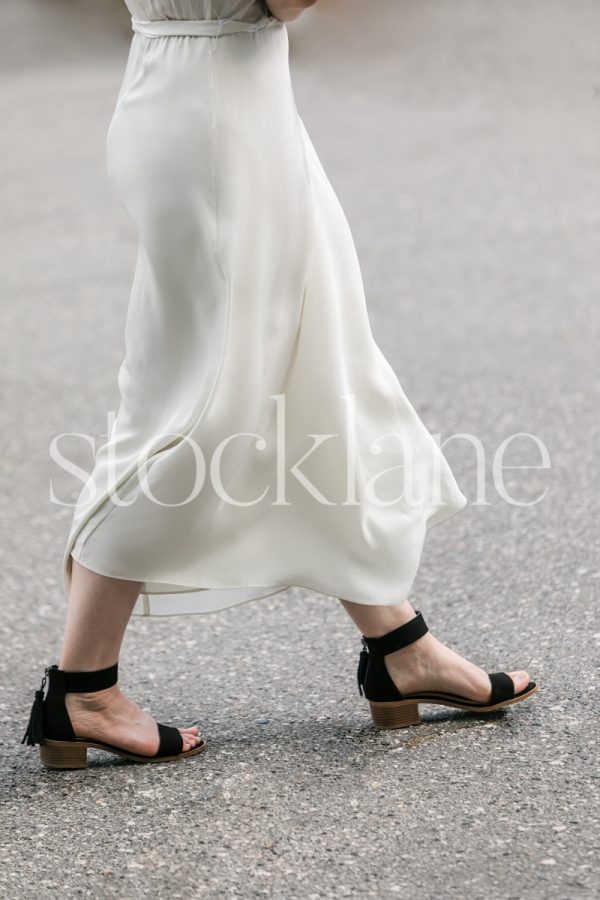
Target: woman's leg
427,664
97,615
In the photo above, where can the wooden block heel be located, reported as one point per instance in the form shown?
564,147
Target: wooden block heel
395,715
63,755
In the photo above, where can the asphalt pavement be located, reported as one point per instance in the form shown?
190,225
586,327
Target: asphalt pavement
463,141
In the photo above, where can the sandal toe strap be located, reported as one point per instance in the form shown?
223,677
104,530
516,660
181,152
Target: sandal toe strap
503,687
171,741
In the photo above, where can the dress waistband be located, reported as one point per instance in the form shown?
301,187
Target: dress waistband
198,27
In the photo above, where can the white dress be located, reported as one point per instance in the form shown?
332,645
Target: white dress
262,439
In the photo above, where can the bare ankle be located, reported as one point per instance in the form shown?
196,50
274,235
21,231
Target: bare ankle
375,621
97,701
416,656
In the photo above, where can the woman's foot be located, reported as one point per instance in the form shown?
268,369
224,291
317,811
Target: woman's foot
112,717
428,665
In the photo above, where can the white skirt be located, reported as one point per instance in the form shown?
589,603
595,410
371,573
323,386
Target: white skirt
262,440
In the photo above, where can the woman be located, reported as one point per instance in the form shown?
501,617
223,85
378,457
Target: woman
262,440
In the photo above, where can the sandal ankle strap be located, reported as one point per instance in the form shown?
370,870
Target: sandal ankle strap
398,638
49,717
88,682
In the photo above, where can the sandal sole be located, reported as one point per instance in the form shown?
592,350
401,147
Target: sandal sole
73,754
403,713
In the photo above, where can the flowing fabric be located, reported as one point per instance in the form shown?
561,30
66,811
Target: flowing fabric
262,440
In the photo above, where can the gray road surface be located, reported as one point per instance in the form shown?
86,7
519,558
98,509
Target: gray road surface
463,140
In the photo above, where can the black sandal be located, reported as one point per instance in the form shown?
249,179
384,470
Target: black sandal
391,709
50,725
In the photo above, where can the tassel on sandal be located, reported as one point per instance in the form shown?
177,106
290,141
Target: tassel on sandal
50,724
391,709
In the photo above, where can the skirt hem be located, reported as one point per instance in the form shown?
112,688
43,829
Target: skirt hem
151,601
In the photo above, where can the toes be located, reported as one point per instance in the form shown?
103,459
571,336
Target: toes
520,680
191,738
